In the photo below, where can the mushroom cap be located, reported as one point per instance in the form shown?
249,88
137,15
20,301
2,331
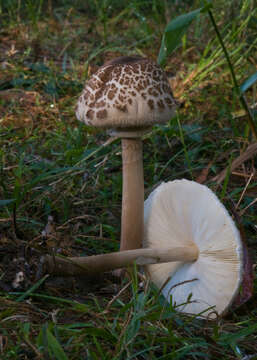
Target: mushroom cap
183,212
126,92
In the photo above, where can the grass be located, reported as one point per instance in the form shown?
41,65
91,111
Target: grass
51,165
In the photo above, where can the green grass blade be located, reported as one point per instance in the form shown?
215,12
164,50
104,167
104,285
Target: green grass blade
248,83
33,288
55,347
173,34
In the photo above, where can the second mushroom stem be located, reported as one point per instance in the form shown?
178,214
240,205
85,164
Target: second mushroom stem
132,221
97,264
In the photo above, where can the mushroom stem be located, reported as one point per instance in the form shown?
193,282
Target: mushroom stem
132,221
96,264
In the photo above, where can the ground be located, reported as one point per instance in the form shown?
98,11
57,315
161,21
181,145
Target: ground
60,181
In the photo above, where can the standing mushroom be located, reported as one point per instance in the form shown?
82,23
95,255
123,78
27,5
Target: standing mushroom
182,212
127,96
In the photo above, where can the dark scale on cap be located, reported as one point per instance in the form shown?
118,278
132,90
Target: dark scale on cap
104,76
91,97
127,81
121,98
90,114
151,104
98,94
158,88
153,92
117,70
129,71
156,79
101,114
161,104
111,94
122,108
86,95
93,84
100,104
169,102
140,86
146,83
132,93
136,70
144,67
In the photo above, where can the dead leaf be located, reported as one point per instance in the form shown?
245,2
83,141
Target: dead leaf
201,179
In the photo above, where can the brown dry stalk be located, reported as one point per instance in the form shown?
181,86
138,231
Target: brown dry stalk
248,154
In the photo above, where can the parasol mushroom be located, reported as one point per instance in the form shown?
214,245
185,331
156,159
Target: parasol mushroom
183,212
191,248
127,96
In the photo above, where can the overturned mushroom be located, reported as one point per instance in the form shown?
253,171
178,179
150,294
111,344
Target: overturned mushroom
127,96
192,250
182,213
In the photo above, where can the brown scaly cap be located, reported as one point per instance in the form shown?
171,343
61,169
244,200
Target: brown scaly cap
126,92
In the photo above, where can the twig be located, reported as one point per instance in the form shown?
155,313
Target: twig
117,295
248,154
247,207
246,186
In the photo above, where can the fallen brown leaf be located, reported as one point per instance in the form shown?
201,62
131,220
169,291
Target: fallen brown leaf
201,179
